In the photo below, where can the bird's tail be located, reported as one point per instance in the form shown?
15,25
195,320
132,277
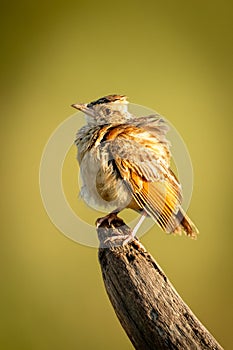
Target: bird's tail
185,224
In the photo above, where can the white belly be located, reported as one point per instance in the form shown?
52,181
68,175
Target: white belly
96,181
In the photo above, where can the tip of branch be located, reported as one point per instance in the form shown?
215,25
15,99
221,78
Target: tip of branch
113,232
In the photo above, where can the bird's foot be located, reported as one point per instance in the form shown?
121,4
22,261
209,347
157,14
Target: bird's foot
108,218
120,239
114,230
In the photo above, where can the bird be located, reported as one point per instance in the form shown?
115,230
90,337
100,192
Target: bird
125,163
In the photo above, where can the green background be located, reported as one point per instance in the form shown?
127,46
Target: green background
174,57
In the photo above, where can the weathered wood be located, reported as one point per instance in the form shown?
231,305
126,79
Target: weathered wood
151,312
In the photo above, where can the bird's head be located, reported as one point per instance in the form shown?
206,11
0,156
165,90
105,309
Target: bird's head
107,109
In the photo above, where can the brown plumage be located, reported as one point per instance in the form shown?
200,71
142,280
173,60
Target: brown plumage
125,162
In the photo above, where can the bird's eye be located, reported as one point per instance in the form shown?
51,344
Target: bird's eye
108,111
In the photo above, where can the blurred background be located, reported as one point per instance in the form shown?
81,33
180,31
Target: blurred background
174,57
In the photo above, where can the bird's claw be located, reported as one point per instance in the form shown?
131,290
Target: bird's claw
124,239
109,218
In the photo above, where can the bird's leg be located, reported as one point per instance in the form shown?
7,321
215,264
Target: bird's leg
140,221
133,232
123,238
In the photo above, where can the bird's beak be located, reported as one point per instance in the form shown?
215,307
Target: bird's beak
83,108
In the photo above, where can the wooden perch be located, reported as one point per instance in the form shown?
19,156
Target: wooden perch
151,312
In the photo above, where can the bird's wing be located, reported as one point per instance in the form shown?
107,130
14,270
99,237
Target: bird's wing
142,159
153,123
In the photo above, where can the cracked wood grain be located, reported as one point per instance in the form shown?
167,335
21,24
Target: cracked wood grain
149,309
